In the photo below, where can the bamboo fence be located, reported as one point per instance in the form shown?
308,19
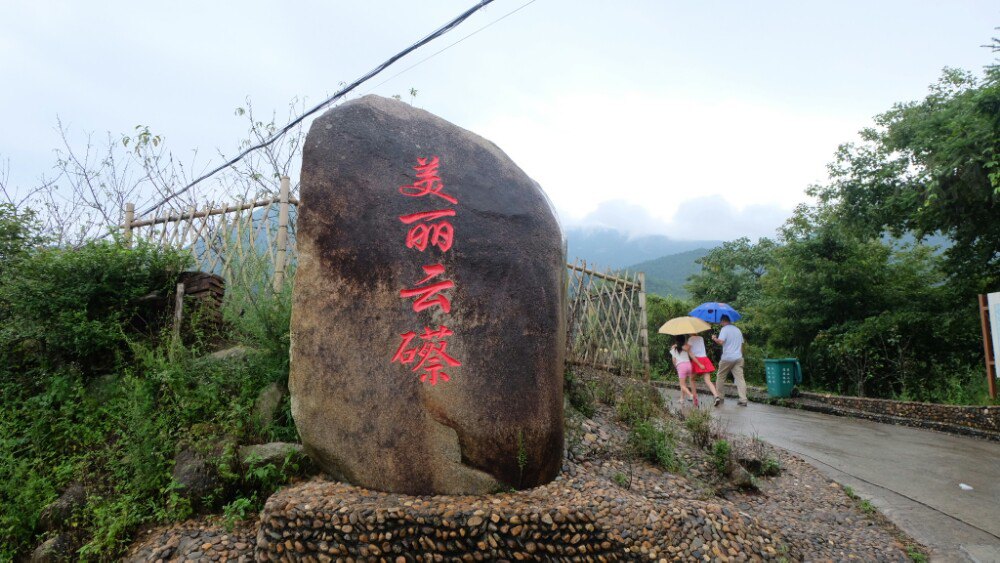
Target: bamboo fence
240,242
606,325
606,321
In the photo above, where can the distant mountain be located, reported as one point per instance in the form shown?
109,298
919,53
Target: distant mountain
610,248
666,275
941,241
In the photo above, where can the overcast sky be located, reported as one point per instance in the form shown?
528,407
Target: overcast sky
690,119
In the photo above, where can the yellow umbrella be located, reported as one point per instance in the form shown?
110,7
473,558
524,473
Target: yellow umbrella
684,325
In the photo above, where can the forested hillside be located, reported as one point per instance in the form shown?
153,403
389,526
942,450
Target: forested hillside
611,248
668,274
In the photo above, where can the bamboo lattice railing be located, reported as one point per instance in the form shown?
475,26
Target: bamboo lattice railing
240,242
606,325
606,321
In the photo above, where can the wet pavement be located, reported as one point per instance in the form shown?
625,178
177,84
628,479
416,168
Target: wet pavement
913,476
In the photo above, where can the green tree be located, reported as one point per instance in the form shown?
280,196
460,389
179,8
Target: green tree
19,234
819,281
731,273
868,317
931,167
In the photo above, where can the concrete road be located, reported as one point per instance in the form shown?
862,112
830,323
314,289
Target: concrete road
913,476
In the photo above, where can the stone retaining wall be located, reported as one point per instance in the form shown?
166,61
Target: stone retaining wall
978,421
977,417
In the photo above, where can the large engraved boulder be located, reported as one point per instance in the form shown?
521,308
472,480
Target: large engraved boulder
428,313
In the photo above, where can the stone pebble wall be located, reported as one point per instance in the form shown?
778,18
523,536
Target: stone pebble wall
982,418
571,519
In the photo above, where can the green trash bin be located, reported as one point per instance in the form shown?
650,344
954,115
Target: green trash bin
782,374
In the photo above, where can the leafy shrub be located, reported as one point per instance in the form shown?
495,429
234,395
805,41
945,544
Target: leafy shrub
639,403
721,456
580,395
258,315
20,234
604,391
63,306
756,456
753,364
621,480
119,437
699,423
770,467
654,444
238,510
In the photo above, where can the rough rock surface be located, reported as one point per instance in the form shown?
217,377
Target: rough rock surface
196,540
372,404
196,468
268,403
57,515
271,453
57,548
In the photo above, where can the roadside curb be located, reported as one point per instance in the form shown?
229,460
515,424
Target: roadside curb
759,395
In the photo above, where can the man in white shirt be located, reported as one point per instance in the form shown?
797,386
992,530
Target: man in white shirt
731,340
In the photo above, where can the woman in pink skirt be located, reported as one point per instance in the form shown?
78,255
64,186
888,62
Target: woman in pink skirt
681,356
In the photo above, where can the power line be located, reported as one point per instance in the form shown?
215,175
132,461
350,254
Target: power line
422,61
347,89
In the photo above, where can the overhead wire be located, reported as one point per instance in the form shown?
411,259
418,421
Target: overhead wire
341,93
436,53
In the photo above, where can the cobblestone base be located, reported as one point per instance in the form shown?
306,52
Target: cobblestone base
572,518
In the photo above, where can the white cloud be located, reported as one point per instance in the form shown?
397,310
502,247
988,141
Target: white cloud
753,161
709,217
715,218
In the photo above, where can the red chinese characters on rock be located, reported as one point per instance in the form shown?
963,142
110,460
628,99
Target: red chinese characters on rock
428,229
428,182
427,296
434,232
432,354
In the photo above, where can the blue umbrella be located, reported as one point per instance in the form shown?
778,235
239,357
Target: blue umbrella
711,311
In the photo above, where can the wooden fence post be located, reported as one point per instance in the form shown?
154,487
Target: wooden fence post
991,367
178,313
643,330
279,259
129,219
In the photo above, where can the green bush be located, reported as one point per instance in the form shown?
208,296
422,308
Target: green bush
20,234
722,456
63,306
259,315
238,510
580,395
621,480
604,390
639,402
654,444
770,467
699,424
120,440
753,364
